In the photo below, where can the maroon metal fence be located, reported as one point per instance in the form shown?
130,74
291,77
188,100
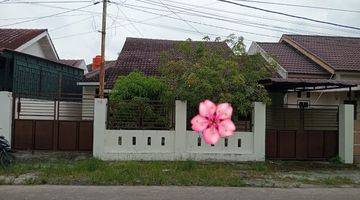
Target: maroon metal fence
53,122
295,133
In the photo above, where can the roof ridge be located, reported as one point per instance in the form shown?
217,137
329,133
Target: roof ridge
324,36
170,40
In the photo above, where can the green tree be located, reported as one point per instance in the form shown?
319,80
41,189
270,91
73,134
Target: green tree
137,86
139,101
208,71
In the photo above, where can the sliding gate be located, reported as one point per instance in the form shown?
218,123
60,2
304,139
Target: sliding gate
52,122
294,133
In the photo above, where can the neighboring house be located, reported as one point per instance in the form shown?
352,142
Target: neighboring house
315,72
314,57
35,42
137,54
76,63
29,63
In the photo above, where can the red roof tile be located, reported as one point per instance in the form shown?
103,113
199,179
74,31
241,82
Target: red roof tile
341,53
291,59
14,38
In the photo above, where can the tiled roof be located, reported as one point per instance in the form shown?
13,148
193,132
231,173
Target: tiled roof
72,62
14,38
341,53
93,76
291,59
144,55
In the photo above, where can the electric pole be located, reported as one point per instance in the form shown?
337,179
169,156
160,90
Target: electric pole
102,65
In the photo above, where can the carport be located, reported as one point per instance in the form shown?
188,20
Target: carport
302,131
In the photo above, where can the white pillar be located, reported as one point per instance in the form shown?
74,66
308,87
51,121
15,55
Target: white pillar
346,133
259,121
100,115
180,129
6,114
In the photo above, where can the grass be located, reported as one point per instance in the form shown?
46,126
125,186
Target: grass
90,171
96,172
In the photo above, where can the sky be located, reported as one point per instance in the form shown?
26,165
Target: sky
74,25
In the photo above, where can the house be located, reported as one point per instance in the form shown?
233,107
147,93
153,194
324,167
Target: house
314,72
76,63
29,63
314,57
140,54
36,42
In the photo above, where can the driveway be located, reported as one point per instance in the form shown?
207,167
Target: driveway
47,192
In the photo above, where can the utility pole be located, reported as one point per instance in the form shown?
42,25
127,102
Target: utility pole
102,65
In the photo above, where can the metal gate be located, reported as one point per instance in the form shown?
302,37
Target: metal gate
295,133
52,122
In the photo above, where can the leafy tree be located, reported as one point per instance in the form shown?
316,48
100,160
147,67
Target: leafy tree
139,101
137,86
206,71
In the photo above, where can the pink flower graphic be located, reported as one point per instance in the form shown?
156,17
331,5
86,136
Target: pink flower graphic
213,121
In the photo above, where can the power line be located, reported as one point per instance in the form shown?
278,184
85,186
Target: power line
290,15
193,27
204,24
18,18
220,27
123,13
300,6
69,24
261,17
226,19
47,16
47,2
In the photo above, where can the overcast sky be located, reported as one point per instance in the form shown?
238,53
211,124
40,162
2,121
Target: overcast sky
75,34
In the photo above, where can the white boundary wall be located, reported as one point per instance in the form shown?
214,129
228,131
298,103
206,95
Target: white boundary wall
6,114
178,144
346,133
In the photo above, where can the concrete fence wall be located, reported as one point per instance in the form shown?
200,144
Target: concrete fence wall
178,144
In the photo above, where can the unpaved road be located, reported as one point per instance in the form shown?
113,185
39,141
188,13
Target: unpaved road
47,192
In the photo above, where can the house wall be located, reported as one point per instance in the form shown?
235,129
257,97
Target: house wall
35,50
178,144
317,98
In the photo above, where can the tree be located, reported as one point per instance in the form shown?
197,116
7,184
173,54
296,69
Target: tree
208,71
137,86
139,101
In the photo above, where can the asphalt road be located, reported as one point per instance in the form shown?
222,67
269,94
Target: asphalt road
173,193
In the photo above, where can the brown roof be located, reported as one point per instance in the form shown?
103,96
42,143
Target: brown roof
298,84
291,59
144,55
93,76
14,38
72,62
341,53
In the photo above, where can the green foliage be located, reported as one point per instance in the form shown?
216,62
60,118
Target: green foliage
218,74
136,86
136,99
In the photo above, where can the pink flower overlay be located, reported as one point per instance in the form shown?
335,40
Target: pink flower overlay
213,121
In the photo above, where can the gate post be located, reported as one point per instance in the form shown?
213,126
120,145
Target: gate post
259,122
6,103
346,133
180,137
100,115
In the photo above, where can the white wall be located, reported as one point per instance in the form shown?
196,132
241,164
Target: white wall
326,98
346,133
35,50
6,114
178,144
